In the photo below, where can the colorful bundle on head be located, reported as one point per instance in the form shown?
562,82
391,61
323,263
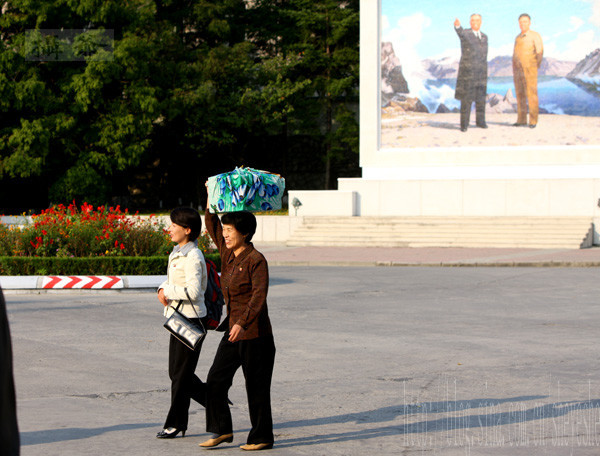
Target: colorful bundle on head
245,189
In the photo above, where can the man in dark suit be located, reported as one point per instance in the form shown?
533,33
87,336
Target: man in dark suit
9,431
471,83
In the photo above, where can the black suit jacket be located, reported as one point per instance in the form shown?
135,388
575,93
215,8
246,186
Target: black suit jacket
471,83
9,432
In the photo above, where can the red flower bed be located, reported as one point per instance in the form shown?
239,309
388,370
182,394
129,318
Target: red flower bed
71,231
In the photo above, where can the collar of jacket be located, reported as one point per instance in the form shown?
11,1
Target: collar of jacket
242,255
187,248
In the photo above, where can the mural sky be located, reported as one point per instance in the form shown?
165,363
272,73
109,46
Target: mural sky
570,28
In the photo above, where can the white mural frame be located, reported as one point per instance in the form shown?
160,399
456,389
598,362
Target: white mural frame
497,162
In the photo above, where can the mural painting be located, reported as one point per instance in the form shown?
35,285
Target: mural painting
524,72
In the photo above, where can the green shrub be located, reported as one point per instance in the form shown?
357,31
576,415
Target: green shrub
156,265
104,265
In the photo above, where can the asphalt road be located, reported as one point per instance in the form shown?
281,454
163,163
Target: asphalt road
387,361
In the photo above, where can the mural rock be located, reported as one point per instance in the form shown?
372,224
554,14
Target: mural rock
401,104
444,68
586,73
496,103
392,79
501,66
554,67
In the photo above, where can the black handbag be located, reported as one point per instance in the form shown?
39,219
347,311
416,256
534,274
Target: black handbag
187,331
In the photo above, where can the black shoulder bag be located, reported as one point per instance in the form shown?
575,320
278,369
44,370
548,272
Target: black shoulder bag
187,331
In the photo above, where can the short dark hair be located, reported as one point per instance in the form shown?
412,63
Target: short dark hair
525,15
188,218
242,221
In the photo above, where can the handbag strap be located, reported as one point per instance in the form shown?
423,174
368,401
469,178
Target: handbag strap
190,300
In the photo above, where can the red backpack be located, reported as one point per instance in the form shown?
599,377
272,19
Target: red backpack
213,296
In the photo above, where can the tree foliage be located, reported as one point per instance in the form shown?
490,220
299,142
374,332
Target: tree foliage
185,90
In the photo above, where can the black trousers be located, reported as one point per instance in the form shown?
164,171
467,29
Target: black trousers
465,112
185,385
9,429
256,357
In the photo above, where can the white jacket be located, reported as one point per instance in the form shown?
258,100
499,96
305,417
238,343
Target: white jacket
186,271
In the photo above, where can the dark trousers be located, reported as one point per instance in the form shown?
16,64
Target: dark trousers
465,112
256,357
9,429
185,385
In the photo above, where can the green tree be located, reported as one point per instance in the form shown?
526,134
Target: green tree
325,36
75,123
187,89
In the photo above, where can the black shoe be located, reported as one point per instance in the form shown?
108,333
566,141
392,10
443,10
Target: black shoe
519,124
169,433
463,129
532,126
482,125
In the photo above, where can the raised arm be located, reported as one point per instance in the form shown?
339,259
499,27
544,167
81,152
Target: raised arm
213,225
458,29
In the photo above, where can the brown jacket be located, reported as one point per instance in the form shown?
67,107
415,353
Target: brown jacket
244,281
529,50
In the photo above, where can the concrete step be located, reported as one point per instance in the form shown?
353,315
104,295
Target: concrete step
438,239
517,232
446,220
345,230
474,226
505,245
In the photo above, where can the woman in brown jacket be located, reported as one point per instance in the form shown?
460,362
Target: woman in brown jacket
248,339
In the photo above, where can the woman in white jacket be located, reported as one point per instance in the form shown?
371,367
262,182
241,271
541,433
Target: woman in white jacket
186,282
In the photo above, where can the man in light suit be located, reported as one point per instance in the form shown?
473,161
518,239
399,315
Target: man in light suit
471,82
527,58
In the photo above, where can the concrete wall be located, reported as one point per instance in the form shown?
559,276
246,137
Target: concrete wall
15,219
323,202
462,197
275,228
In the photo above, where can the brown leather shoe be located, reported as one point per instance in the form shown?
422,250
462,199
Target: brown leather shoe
256,446
217,440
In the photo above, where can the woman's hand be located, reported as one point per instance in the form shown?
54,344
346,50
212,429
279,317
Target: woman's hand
162,298
236,333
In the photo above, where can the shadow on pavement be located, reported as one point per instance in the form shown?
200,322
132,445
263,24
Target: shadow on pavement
62,435
518,414
279,281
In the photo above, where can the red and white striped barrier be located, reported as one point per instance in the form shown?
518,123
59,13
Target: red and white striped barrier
82,282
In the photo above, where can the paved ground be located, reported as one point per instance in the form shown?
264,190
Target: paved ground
387,361
280,255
